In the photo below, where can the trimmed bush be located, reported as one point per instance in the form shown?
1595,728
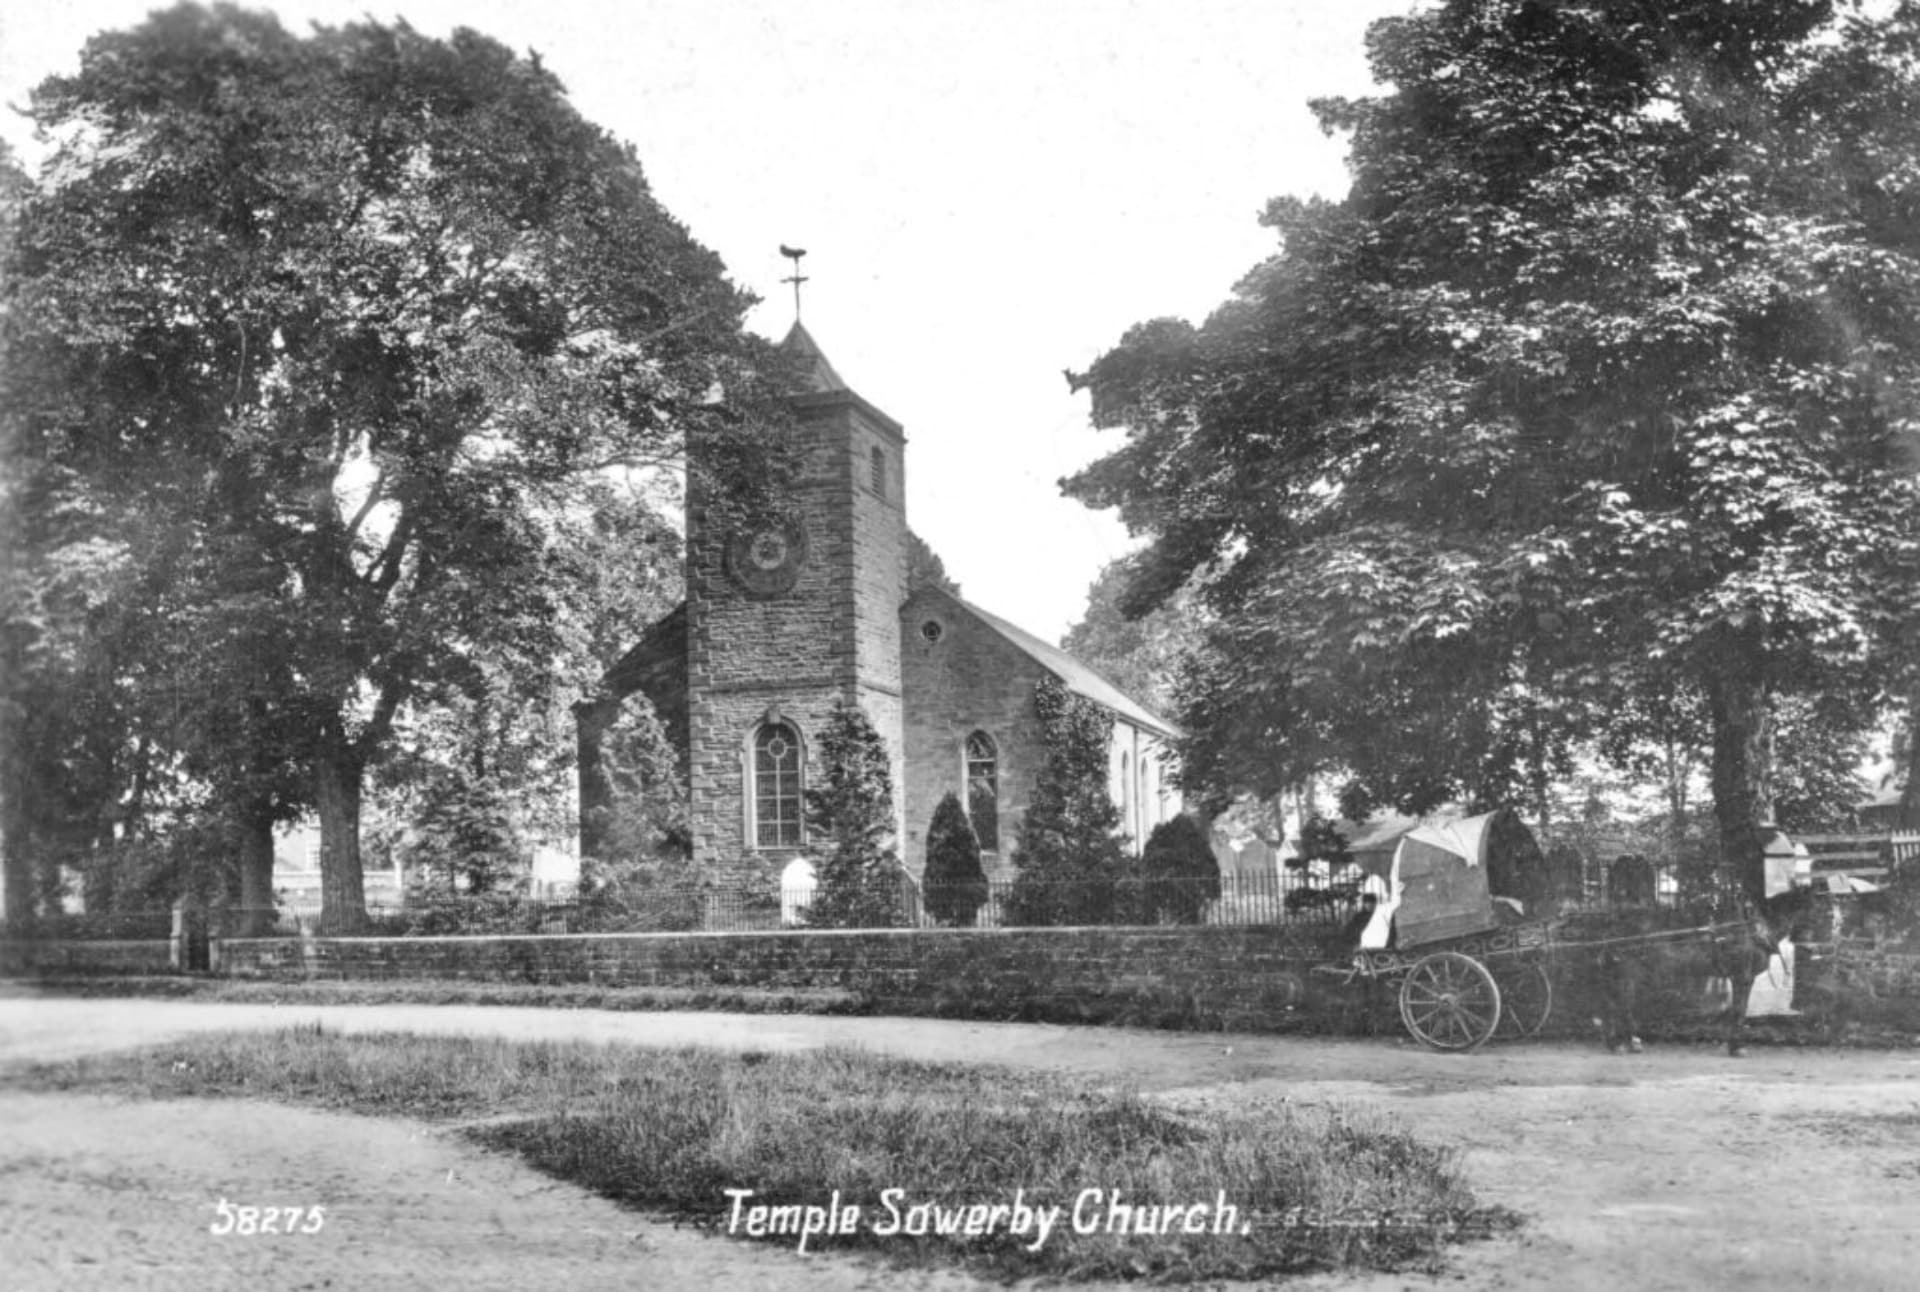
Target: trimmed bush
955,886
1179,875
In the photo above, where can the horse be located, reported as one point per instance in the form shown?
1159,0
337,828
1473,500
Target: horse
1738,945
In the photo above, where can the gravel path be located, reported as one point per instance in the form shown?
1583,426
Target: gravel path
1677,1169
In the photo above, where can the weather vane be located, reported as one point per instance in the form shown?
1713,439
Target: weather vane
794,254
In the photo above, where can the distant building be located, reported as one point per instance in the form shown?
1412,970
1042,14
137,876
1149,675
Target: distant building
1882,811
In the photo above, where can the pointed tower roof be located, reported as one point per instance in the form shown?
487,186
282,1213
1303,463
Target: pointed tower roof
822,388
819,377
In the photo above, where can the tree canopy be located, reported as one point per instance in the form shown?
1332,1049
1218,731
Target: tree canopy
1141,654
1598,384
317,346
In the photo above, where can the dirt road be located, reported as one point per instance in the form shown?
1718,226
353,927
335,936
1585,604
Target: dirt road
1677,1169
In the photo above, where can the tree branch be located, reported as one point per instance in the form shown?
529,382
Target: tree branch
385,570
375,493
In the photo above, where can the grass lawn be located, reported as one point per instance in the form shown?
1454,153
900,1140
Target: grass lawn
920,1153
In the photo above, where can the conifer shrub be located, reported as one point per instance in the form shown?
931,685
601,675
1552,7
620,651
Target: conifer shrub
1321,840
850,810
955,885
1068,858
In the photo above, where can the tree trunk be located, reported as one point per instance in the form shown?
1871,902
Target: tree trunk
343,894
591,719
1540,782
1737,705
1676,764
1909,817
17,896
16,865
255,917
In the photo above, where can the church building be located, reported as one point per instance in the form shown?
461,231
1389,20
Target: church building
782,622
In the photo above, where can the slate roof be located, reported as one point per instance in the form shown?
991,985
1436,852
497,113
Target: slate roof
1079,678
820,377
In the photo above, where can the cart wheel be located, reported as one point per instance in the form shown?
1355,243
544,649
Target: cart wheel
1526,999
1450,1002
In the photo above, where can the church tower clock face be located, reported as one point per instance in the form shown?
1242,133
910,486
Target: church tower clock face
765,560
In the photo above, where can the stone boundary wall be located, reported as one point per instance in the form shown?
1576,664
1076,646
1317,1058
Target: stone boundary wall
123,956
1860,978
1247,978
1244,978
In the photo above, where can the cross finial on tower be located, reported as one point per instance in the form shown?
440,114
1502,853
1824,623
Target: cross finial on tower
794,254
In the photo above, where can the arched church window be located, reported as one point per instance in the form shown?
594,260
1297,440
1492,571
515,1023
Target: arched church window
878,459
776,787
1126,796
983,790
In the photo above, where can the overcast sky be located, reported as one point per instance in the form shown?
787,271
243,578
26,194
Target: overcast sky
990,192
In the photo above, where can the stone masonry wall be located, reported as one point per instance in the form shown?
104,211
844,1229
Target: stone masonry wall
971,679
1241,977
1860,978
134,956
802,650
877,577
1137,782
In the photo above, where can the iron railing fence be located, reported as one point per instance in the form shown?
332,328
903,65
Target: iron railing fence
1281,896
1287,898
1243,899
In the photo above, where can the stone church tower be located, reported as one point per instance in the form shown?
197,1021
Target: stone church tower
785,621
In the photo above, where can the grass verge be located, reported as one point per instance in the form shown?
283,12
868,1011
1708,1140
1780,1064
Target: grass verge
672,1132
428,991
1336,1012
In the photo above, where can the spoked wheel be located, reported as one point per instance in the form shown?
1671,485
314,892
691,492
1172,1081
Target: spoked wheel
1450,1002
1526,999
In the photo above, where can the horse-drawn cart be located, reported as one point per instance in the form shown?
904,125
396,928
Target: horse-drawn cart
1450,928
1462,993
1465,926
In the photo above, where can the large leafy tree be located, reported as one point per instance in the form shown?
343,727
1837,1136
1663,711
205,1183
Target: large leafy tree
361,317
1140,654
925,569
1598,375
507,739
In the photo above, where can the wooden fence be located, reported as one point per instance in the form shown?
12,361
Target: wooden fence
1876,857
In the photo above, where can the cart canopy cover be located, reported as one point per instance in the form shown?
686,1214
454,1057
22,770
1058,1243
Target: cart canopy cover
1438,885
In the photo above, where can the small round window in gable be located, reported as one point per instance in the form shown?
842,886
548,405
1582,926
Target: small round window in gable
933,630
